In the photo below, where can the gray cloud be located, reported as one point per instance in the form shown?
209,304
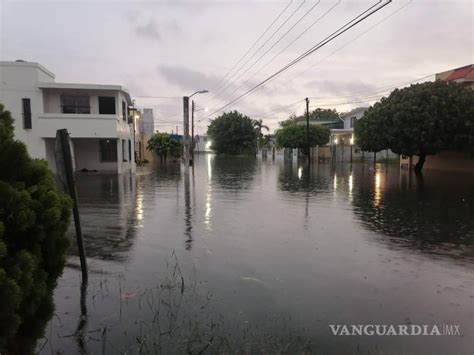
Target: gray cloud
156,31
188,79
148,30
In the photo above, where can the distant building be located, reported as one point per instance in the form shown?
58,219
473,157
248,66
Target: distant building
146,129
345,134
96,117
463,75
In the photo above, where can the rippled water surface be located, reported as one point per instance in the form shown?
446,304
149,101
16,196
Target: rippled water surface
252,256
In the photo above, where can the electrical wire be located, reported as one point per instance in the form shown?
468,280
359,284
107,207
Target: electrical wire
251,47
367,13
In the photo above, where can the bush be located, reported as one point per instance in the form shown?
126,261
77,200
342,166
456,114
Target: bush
34,218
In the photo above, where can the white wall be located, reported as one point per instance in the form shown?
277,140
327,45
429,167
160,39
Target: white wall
18,81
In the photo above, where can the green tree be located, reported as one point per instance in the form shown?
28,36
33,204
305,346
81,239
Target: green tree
233,133
164,145
295,136
422,120
34,218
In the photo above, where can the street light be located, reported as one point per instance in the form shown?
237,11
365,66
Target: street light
191,162
186,125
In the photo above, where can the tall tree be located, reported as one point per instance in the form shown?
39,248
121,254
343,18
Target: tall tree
295,136
421,120
233,133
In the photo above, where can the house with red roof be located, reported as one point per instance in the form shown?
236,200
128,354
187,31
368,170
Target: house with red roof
463,75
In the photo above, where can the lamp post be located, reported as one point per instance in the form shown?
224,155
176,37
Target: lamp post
193,109
186,126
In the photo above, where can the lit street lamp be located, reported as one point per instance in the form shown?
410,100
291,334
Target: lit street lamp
192,128
186,126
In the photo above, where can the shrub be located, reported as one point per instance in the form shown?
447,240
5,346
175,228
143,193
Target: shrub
34,217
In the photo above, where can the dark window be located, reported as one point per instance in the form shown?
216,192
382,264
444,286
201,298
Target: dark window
108,150
129,150
353,120
75,104
124,110
124,150
26,113
106,105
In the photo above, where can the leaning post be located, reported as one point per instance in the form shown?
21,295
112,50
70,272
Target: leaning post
66,176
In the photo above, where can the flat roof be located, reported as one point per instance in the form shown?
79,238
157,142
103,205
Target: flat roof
84,87
27,64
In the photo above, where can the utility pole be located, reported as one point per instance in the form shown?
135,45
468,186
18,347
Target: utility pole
186,131
307,131
192,133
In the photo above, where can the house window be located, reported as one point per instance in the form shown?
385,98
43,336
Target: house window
106,105
124,150
75,104
26,103
353,121
129,150
124,110
108,150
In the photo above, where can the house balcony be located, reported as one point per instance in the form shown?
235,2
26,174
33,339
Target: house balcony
82,125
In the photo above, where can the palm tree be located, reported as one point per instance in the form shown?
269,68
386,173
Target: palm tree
258,124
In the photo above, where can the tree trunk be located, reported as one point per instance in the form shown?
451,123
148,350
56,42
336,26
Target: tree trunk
419,165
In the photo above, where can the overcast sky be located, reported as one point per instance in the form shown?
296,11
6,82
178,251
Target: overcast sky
173,48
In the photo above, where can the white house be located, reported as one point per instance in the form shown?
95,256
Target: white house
345,135
96,117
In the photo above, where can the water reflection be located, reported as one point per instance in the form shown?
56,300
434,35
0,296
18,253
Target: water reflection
294,178
434,215
208,202
187,209
110,210
233,173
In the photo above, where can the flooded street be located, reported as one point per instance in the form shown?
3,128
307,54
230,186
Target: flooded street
261,256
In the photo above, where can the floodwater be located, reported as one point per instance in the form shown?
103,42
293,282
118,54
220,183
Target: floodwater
258,256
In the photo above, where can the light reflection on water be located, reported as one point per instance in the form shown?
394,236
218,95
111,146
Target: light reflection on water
273,249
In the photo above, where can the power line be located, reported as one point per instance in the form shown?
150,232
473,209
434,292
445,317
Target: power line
346,44
353,40
289,45
258,50
251,47
273,46
369,97
367,13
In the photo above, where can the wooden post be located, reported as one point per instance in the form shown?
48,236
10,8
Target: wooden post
66,175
